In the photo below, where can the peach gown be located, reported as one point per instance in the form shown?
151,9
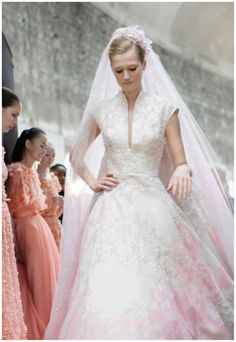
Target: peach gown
13,326
51,187
37,249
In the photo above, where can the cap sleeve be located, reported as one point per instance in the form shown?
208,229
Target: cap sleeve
169,109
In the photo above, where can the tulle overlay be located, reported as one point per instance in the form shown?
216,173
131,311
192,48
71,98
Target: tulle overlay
37,249
144,270
13,326
51,187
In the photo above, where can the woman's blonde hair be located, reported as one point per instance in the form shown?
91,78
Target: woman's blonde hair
122,45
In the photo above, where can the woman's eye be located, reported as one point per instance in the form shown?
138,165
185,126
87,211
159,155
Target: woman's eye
118,71
132,69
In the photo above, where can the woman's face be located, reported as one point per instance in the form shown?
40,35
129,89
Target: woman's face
48,158
60,172
36,147
9,116
128,70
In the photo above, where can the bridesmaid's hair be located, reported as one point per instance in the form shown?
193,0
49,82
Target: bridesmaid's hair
122,45
57,166
9,98
27,134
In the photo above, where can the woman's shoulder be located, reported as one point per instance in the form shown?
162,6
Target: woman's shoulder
157,99
51,181
162,103
104,107
15,168
18,169
106,104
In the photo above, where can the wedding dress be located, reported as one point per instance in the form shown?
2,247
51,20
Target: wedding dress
145,268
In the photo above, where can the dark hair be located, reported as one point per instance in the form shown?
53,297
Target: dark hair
9,98
56,166
27,134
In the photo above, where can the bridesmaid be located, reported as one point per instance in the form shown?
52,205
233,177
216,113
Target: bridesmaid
13,326
36,246
59,170
51,188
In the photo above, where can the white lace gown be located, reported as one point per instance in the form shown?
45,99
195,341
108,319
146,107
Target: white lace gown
144,270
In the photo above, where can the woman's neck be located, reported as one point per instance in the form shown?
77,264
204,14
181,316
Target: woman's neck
132,96
28,161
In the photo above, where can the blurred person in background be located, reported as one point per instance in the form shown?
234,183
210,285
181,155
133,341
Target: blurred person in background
51,188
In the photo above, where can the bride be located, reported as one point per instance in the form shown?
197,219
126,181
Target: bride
147,251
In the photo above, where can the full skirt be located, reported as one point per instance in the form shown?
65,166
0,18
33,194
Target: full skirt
145,272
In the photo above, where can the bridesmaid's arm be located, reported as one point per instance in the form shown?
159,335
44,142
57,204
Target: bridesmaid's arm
60,211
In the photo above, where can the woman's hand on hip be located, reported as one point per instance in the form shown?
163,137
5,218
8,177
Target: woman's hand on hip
107,182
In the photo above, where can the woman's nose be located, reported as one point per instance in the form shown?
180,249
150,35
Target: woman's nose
126,75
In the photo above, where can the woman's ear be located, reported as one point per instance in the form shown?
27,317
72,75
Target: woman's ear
27,143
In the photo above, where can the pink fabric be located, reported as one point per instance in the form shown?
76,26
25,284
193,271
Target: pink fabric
37,248
51,187
13,326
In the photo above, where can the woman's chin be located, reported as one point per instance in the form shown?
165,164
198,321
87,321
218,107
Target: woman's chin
5,130
130,87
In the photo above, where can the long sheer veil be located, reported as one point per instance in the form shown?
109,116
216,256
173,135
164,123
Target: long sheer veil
89,151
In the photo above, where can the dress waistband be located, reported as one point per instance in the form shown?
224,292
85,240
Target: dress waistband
47,215
135,174
25,212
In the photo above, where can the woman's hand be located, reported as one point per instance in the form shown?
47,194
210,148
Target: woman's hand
106,182
180,182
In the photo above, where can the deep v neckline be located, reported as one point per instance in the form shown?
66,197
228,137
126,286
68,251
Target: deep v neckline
130,127
130,116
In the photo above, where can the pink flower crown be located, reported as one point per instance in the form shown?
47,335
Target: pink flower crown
135,35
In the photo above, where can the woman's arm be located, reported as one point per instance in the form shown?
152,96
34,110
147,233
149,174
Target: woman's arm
174,141
180,182
60,211
107,182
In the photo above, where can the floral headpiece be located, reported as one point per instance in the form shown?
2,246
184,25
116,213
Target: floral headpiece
135,35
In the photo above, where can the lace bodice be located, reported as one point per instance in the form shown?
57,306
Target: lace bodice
150,117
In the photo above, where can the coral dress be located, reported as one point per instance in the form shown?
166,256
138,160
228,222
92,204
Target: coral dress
51,187
144,270
36,246
13,326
